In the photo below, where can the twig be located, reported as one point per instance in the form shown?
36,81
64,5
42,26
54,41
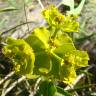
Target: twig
41,4
16,27
58,5
14,84
37,83
26,16
5,78
5,86
36,87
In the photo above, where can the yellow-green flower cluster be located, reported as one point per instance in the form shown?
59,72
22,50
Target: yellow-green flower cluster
55,19
21,54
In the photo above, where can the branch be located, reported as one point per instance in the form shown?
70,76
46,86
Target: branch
14,84
5,78
41,4
16,27
26,16
7,82
35,87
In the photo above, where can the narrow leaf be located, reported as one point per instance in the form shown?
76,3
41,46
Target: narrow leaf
8,9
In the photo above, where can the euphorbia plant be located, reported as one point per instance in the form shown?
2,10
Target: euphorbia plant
48,51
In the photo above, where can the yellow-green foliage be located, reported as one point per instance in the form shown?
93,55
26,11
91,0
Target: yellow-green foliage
56,19
21,55
55,58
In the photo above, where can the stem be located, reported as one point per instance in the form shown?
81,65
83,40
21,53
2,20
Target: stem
26,16
41,4
5,86
14,84
36,85
56,56
54,35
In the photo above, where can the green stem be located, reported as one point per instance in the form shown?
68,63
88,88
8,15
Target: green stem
54,35
56,56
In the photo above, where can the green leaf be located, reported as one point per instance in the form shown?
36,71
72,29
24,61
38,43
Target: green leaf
77,11
66,69
42,34
72,60
38,40
21,55
62,69
46,88
62,39
80,58
63,44
59,94
73,10
8,9
62,50
43,63
62,92
55,70
67,73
